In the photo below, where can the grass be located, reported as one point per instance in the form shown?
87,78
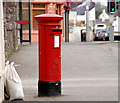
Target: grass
10,54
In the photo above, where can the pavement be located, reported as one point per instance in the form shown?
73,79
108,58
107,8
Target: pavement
89,72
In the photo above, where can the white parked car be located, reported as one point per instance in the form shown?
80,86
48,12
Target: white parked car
101,32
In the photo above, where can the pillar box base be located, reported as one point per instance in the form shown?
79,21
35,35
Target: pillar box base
49,88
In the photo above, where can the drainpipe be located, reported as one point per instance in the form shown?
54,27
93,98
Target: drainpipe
67,22
30,21
20,18
2,54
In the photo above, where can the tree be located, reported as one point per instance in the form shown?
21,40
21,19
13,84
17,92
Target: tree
99,8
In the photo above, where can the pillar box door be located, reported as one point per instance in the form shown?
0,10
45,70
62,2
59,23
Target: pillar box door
49,54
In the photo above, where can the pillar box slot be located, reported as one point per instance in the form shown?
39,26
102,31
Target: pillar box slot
49,83
57,31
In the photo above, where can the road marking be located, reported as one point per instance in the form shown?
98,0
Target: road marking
89,79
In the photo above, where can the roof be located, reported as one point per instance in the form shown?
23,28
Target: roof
41,1
48,1
81,10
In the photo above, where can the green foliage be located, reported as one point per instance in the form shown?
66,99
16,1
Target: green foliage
99,9
10,54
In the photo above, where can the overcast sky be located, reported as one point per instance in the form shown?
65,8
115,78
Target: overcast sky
104,2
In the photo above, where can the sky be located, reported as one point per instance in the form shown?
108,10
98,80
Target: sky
104,2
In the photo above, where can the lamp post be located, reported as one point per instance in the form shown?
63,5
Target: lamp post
87,20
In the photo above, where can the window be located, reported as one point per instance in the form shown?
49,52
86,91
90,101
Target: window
37,10
25,17
35,23
58,11
25,5
104,31
39,6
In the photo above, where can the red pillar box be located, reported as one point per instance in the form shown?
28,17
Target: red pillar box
49,54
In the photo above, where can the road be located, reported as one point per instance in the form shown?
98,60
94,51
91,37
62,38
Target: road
89,72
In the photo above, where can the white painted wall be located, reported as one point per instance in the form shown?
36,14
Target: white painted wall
116,24
2,53
72,15
76,35
104,16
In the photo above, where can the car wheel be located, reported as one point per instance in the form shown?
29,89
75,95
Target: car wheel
96,39
107,38
103,38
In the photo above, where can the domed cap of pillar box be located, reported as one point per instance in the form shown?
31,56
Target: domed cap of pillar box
48,18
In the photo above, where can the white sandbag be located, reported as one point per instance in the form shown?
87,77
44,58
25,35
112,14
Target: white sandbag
6,92
7,66
14,84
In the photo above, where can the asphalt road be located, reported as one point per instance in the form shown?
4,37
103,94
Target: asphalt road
89,72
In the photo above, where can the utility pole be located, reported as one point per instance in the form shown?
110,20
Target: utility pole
87,20
111,29
2,54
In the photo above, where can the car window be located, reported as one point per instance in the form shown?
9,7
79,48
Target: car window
100,25
97,31
104,31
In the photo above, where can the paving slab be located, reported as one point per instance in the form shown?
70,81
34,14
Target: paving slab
89,72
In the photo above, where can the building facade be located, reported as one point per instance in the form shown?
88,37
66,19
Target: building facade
8,37
10,28
39,7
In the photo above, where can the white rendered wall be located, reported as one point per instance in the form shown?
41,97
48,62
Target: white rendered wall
2,55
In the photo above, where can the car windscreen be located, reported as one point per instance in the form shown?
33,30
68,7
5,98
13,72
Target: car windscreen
104,31
100,25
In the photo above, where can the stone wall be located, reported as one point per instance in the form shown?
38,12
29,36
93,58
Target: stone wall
10,27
